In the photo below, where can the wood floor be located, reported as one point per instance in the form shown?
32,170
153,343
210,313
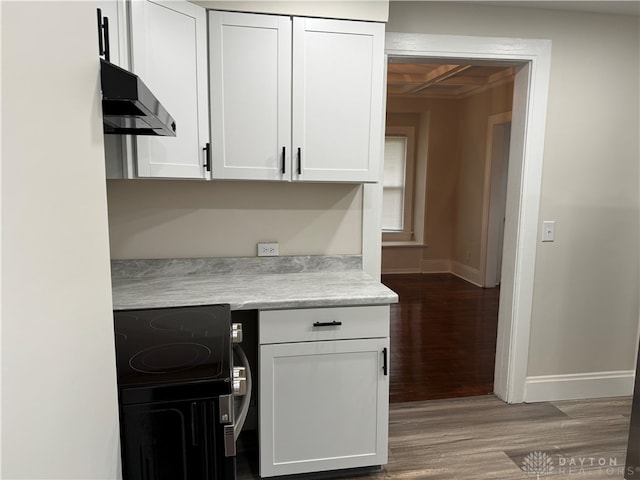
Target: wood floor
483,438
477,438
443,337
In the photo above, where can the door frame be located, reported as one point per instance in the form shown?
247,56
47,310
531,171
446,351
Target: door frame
488,230
531,87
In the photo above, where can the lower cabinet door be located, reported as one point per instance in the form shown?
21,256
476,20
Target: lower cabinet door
323,405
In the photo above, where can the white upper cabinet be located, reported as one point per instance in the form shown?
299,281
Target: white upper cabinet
169,42
338,79
295,98
117,147
250,95
115,12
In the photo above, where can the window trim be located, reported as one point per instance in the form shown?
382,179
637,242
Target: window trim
407,232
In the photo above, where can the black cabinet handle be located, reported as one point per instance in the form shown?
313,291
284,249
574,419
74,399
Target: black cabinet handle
327,324
385,368
100,37
284,157
103,36
207,157
107,44
299,161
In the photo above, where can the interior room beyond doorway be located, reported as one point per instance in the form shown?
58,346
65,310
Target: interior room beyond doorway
444,328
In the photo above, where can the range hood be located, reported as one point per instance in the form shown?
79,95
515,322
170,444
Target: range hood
129,107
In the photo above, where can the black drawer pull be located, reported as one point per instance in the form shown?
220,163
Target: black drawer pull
327,324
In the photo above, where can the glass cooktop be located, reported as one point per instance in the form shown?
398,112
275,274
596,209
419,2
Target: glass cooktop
170,346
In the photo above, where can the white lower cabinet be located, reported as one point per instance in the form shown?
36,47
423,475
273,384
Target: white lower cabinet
323,403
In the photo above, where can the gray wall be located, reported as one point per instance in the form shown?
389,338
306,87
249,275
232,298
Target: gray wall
585,307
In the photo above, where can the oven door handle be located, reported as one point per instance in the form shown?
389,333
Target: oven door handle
246,398
229,441
226,421
232,424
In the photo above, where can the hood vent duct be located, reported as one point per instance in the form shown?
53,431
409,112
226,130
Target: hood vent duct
128,106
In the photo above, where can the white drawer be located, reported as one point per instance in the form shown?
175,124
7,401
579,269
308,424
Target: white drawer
315,324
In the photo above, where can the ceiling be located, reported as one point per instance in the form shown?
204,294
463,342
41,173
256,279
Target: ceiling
420,80
629,7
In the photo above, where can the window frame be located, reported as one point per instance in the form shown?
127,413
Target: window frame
407,232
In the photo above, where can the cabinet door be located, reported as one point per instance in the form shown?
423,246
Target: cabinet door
250,75
338,69
323,406
115,11
117,147
165,441
169,55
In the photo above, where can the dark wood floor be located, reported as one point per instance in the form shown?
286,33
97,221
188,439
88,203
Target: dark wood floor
443,337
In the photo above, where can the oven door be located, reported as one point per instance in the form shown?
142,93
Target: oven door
178,440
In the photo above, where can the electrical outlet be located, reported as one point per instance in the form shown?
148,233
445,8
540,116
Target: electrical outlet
271,249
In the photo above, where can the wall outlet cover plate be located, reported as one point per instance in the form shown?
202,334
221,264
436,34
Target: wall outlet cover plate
268,249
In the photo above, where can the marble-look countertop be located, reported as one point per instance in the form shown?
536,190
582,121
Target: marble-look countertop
247,283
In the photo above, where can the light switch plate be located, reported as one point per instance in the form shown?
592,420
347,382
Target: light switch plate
548,231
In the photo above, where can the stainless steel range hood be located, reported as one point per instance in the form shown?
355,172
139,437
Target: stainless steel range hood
129,107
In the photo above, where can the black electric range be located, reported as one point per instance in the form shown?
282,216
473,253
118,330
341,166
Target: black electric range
174,369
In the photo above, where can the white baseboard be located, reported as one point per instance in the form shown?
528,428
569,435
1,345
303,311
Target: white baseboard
467,273
435,266
392,271
442,265
548,388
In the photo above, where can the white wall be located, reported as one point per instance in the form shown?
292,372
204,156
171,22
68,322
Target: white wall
182,219
452,144
372,10
472,136
585,306
59,405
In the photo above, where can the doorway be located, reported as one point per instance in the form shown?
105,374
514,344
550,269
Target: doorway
532,58
443,331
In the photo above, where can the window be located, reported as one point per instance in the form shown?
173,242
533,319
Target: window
395,166
397,186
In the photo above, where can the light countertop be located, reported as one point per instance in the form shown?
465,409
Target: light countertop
247,283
